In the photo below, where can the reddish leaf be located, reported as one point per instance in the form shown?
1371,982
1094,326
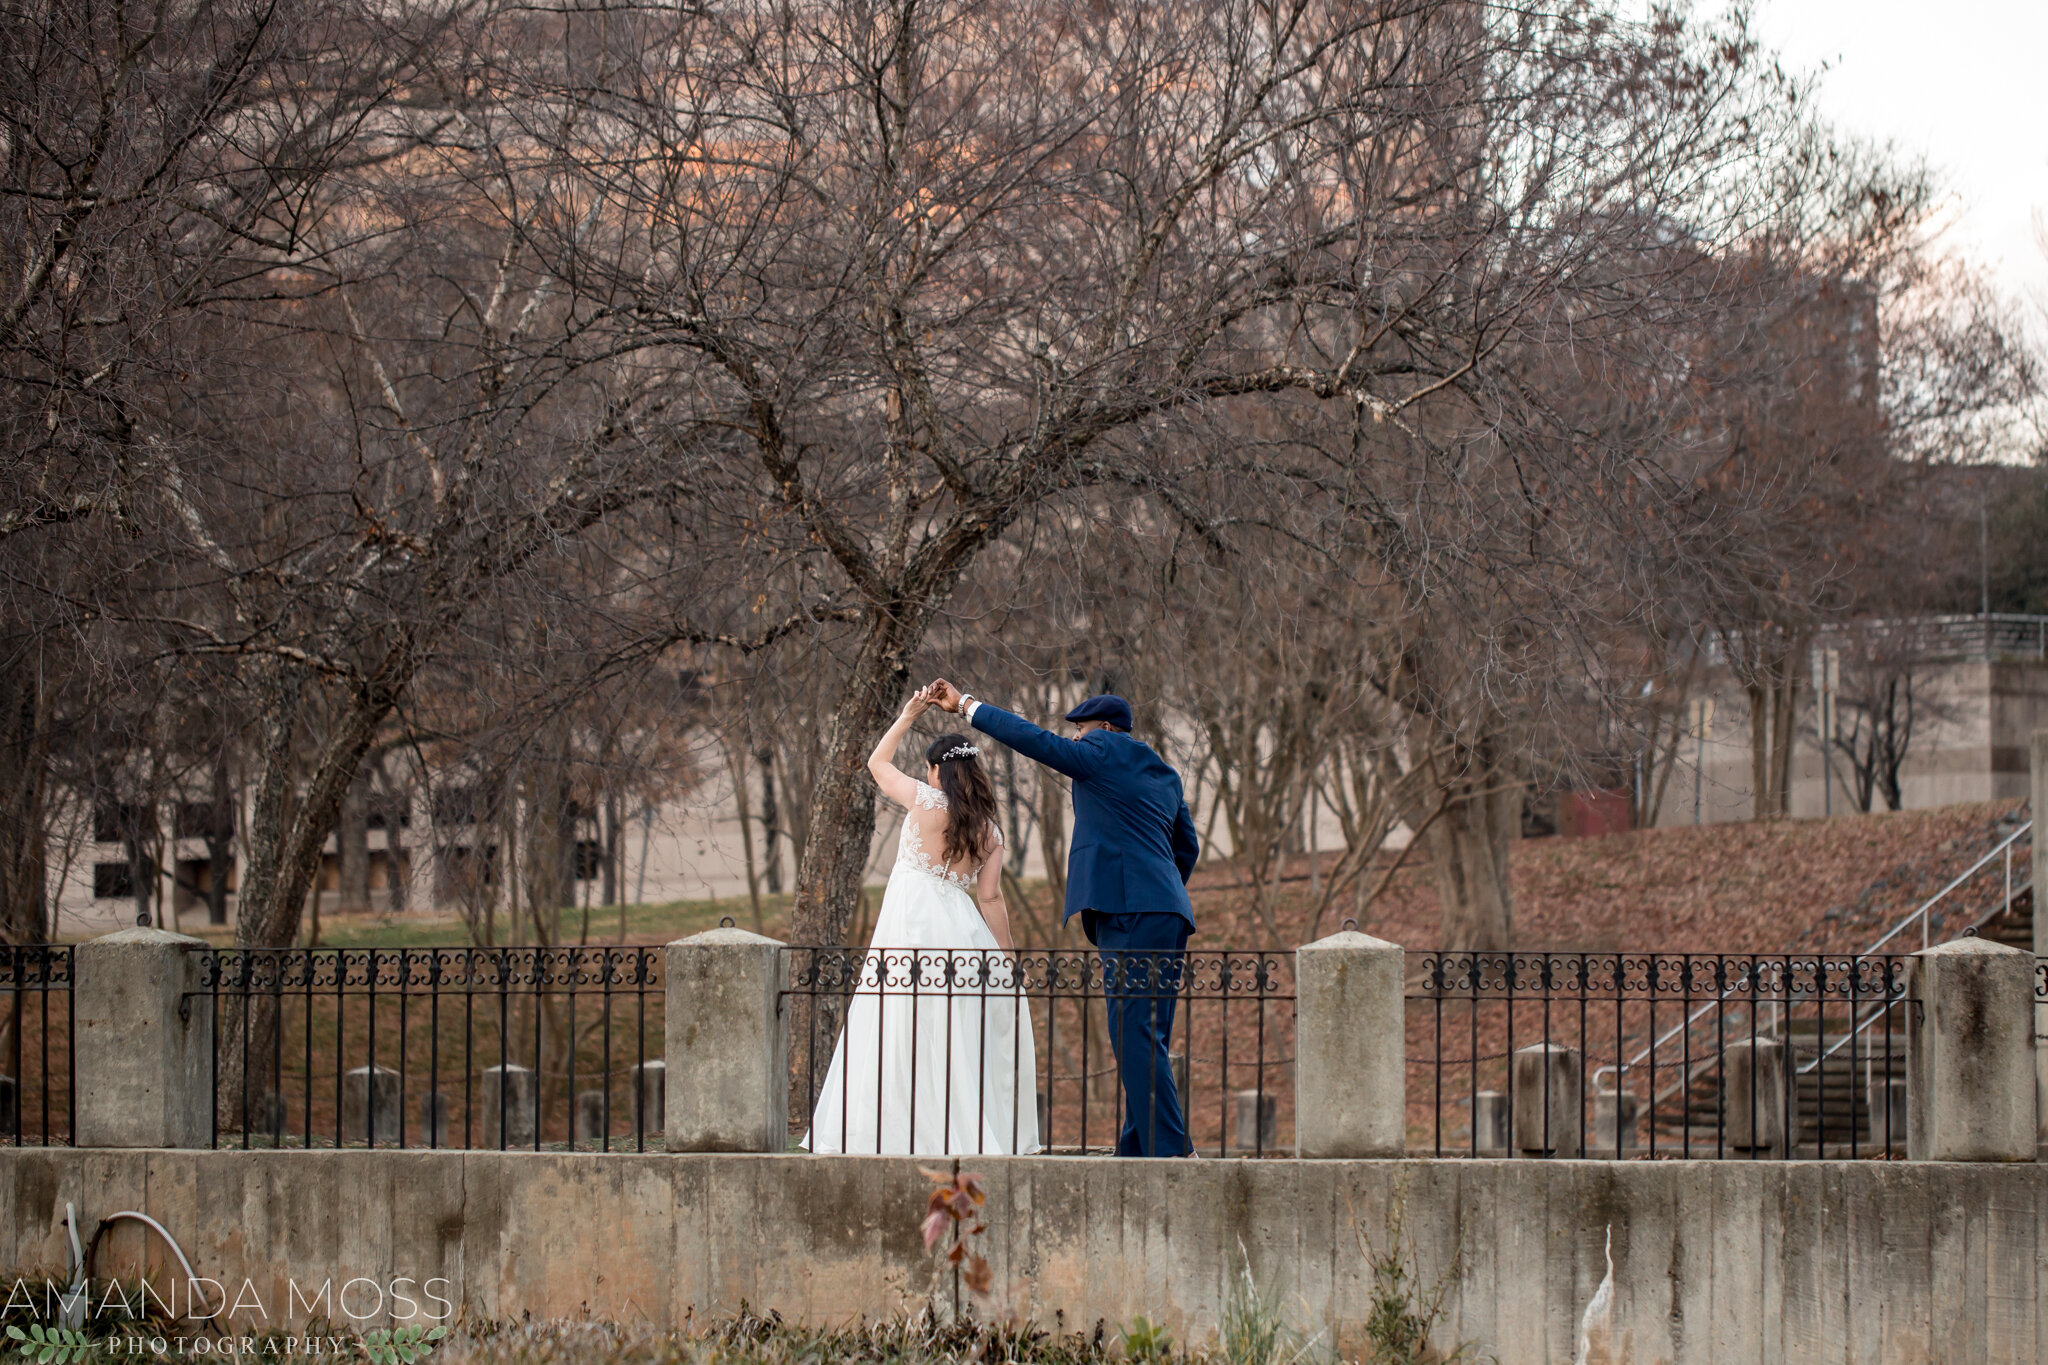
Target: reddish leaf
934,1229
979,1275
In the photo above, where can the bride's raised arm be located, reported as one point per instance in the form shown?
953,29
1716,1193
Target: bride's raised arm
895,784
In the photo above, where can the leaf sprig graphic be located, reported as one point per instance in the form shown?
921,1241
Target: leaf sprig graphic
51,1345
401,1345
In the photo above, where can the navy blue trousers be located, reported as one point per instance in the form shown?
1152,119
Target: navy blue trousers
1143,960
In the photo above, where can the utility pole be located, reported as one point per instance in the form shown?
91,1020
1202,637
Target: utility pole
1984,563
1827,680
1702,717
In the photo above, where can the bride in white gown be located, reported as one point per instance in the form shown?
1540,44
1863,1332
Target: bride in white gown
937,1056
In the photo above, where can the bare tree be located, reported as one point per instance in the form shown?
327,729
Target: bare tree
941,267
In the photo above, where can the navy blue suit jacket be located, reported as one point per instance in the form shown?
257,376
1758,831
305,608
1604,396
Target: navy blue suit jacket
1134,844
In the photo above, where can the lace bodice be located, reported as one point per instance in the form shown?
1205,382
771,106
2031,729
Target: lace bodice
910,852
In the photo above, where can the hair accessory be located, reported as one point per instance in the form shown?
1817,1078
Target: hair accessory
960,751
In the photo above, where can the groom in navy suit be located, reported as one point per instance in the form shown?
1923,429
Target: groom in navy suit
1133,850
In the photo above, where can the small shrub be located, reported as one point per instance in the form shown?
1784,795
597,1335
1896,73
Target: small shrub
1254,1331
1405,1312
1146,1340
955,1206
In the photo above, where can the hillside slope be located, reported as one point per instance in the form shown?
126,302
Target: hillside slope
1783,886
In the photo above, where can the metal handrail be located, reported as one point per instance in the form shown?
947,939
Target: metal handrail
2004,846
1881,1012
1650,1048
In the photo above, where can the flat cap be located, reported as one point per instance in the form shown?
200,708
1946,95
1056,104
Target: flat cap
1108,707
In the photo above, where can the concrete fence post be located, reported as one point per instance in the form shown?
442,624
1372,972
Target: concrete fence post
142,1046
1350,1072
1754,1115
1970,1053
1548,1078
2038,807
725,1044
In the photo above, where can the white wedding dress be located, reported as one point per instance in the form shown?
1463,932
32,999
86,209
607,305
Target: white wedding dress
937,1056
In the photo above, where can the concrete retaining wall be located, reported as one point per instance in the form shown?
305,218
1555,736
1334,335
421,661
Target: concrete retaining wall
1714,1262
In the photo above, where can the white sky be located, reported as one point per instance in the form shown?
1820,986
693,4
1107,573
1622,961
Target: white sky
1960,83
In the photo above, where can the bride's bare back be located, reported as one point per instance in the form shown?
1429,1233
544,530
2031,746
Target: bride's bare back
927,820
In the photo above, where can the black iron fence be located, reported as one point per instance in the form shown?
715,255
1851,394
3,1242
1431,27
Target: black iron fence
1649,1055
1617,1055
982,1051
38,1105
437,1047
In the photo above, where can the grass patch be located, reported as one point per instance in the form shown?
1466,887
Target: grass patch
652,922
749,1339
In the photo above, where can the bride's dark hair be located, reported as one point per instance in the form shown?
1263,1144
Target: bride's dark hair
971,801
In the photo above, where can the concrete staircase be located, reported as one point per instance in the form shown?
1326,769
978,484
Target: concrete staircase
1844,1090
1841,1096
2011,925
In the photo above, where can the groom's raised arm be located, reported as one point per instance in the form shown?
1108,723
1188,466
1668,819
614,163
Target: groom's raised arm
1068,756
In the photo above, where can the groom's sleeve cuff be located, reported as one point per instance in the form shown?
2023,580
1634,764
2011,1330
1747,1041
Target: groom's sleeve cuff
968,710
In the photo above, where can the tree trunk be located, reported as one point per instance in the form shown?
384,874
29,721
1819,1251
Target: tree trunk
1784,736
285,842
842,824
738,767
1013,821
24,788
141,845
841,831
614,849
568,847
771,825
1052,836
352,847
1771,689
1469,843
220,838
396,869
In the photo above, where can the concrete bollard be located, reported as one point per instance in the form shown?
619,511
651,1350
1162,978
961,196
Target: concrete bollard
649,1096
1614,1124
270,1115
1753,1096
508,1098
592,1115
143,1044
1351,1075
1546,1103
434,1119
725,1035
364,1103
1970,1071
1490,1123
1888,1117
1258,1120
